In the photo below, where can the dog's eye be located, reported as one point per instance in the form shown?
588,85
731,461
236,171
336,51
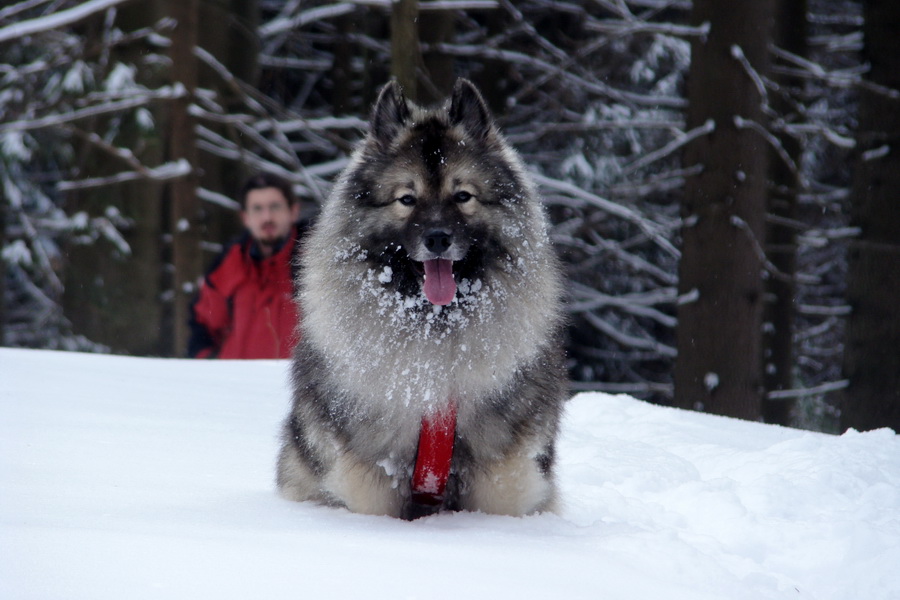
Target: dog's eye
407,200
462,197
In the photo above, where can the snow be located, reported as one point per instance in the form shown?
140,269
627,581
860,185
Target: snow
121,78
153,478
17,253
14,147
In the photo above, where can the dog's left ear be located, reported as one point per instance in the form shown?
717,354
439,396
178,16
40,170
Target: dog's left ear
390,114
468,109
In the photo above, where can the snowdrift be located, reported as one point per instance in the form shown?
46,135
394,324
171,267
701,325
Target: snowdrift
150,478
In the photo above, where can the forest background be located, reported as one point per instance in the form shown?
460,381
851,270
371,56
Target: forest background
723,178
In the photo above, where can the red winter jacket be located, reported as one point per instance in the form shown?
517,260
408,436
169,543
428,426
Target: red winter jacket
245,307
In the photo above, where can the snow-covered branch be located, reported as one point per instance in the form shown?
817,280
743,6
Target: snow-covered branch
164,172
810,69
637,389
140,99
737,53
708,127
218,199
283,25
36,245
57,20
663,182
839,139
614,249
774,271
631,27
774,142
427,5
825,388
629,340
310,182
587,299
588,85
653,230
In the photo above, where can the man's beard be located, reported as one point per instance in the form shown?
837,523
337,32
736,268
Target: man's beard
270,243
269,236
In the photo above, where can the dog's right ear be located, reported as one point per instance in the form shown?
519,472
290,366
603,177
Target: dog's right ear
468,108
391,113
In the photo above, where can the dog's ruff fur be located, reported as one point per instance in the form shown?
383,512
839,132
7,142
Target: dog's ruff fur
380,349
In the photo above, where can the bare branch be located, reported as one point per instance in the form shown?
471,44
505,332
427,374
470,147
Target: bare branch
586,299
653,230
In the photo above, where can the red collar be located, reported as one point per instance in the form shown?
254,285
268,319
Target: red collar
435,452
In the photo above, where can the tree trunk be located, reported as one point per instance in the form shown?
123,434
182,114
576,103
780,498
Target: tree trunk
781,246
719,364
109,297
493,79
436,27
235,44
184,205
872,347
405,53
342,76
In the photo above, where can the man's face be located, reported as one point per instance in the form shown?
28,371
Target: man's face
268,216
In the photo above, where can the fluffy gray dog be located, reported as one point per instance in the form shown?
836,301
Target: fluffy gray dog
429,373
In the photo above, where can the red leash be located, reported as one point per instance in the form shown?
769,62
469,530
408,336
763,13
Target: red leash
432,470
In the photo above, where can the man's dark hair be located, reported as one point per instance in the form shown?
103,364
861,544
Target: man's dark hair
266,180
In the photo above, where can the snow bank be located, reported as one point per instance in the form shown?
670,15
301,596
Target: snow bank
150,478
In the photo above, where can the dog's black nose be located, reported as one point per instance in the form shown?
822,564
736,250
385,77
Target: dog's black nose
438,241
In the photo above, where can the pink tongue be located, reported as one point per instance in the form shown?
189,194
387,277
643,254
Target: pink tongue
440,287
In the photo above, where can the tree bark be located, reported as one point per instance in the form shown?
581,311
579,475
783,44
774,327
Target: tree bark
342,66
719,363
781,246
405,53
872,346
493,79
184,204
235,44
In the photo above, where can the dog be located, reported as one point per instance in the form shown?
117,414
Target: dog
430,374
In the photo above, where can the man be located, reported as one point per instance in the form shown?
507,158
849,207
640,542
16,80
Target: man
245,306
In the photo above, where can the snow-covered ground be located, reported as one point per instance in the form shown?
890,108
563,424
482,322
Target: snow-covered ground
148,478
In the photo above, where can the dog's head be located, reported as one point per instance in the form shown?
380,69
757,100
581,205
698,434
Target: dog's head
437,192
